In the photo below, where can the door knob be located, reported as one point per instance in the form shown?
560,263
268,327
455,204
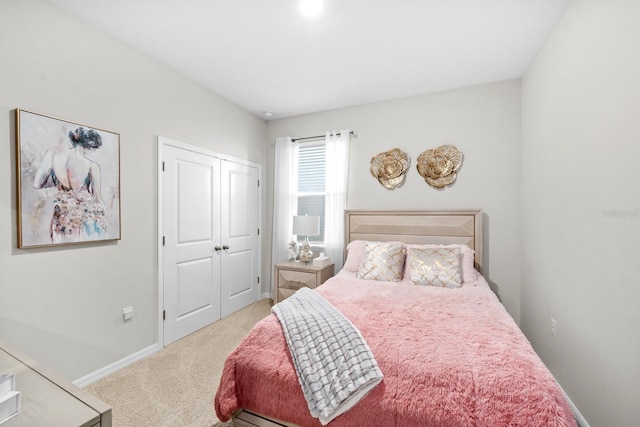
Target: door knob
217,248
225,247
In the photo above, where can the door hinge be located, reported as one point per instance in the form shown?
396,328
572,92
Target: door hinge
164,314
258,280
258,231
163,241
162,166
258,183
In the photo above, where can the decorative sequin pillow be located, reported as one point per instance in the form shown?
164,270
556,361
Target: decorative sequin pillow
382,261
467,259
434,267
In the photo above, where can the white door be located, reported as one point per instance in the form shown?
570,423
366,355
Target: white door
239,236
191,262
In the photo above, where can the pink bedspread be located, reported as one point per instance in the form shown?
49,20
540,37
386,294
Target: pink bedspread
450,357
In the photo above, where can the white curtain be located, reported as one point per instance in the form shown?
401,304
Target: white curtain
285,200
337,173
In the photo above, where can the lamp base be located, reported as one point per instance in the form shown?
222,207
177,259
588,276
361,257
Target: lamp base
306,254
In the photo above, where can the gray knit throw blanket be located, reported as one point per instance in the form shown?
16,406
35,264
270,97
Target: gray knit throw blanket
334,364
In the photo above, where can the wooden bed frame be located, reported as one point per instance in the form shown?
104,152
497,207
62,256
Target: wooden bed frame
420,227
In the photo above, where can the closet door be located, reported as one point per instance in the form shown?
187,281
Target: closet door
192,233
239,236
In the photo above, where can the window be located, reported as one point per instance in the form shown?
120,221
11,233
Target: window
311,184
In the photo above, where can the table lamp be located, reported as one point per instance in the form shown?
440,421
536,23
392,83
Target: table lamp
306,226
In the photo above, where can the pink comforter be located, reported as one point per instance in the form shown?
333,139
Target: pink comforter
450,357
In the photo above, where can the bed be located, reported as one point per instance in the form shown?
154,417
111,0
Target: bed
450,355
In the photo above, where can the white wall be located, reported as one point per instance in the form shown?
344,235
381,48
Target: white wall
581,205
63,305
580,127
482,121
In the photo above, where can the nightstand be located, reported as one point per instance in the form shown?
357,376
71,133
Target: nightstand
291,276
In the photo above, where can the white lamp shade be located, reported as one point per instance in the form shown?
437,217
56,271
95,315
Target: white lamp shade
306,225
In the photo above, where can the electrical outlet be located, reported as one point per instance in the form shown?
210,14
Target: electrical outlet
127,314
553,327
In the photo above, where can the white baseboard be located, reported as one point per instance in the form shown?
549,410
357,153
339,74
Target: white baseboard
267,295
115,366
576,413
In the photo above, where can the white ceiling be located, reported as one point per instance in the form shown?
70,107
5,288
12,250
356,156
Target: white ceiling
265,56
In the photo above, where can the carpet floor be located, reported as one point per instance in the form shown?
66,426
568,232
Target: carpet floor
175,386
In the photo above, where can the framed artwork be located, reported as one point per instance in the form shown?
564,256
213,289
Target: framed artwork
68,178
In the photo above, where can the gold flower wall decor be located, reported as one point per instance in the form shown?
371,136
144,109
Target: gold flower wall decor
439,167
390,168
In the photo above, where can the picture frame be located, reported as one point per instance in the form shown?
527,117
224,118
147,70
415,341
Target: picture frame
68,182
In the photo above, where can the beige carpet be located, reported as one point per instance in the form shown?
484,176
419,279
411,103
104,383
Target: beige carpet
175,387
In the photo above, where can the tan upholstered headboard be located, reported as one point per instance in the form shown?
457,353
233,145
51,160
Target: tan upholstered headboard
436,227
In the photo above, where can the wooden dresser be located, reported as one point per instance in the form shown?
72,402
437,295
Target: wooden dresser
291,276
47,399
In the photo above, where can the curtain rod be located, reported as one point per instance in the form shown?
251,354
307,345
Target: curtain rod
319,136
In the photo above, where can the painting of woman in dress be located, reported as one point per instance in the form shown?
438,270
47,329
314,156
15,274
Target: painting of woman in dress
78,209
74,186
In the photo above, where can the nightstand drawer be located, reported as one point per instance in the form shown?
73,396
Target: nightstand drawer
296,279
284,293
292,276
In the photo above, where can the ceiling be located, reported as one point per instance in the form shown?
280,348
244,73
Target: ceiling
263,55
